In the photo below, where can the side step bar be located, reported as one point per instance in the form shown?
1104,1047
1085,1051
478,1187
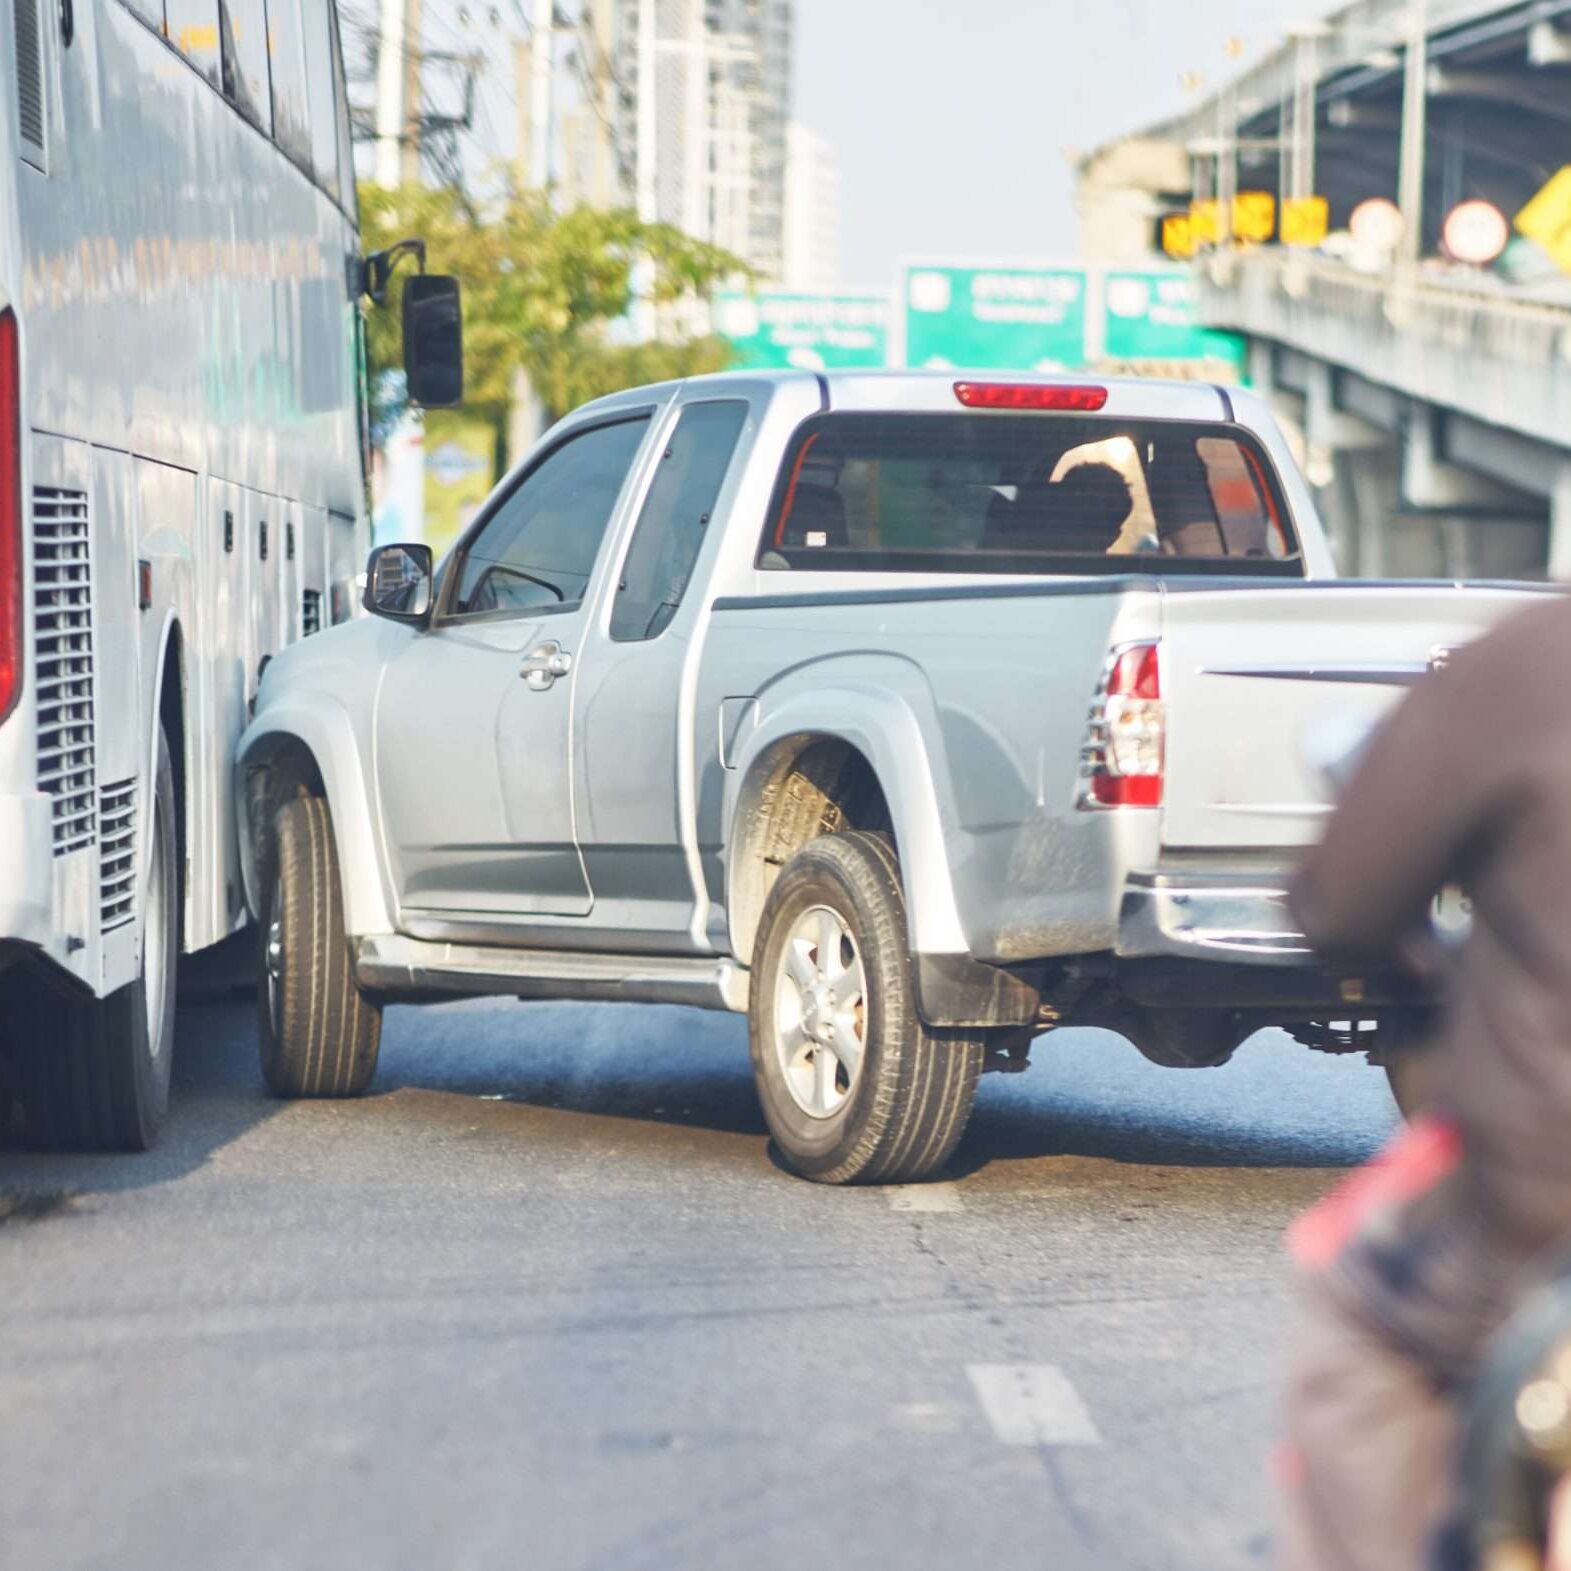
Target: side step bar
396,964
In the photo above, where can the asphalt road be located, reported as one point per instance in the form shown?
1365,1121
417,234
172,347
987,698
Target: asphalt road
543,1301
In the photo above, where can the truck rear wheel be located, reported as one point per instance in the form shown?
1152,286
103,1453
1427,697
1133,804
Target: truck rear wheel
319,1033
93,1074
855,1089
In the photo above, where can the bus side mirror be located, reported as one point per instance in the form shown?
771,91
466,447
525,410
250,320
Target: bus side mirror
433,341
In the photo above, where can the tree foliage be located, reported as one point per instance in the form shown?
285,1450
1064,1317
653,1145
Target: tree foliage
541,290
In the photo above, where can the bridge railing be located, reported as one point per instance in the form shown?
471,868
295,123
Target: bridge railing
1503,359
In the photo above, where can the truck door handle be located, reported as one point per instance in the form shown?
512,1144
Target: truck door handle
544,664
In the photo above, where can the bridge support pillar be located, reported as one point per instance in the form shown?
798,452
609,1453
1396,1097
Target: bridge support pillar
1336,444
1431,484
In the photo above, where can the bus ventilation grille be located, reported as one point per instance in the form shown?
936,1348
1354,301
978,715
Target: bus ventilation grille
30,76
310,612
117,855
63,637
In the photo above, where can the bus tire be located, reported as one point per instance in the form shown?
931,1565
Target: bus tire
93,1074
319,1032
855,1089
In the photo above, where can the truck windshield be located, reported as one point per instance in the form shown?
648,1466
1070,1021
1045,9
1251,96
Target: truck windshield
1034,493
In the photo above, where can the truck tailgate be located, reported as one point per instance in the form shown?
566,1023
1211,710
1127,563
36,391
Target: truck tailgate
1247,673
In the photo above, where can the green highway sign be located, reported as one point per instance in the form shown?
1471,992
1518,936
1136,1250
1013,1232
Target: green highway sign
1009,317
1149,314
776,330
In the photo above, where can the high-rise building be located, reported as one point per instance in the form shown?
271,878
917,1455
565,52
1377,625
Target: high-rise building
811,232
709,154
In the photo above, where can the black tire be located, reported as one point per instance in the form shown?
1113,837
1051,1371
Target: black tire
93,1074
900,1116
319,1032
1407,1073
1404,1046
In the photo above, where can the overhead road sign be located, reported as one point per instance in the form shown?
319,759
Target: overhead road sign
1178,236
1012,316
1205,222
1254,216
1149,322
1306,220
776,330
1547,218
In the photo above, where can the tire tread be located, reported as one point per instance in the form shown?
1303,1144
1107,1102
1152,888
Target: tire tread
328,1033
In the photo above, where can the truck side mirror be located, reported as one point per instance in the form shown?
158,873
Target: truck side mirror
433,341
398,583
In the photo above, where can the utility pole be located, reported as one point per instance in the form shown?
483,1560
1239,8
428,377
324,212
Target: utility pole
398,93
696,213
597,23
1227,144
542,54
648,114
1415,93
645,322
1298,154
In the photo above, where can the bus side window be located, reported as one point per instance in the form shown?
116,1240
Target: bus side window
318,33
192,27
243,24
286,53
346,145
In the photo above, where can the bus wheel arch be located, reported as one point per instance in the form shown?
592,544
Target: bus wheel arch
169,711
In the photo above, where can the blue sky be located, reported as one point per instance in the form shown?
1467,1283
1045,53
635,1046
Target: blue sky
951,120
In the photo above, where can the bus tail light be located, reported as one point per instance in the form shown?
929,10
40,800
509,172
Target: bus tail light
10,516
1124,752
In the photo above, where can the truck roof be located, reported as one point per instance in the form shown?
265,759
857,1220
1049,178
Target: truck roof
929,391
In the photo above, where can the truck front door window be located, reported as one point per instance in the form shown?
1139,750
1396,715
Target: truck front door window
538,548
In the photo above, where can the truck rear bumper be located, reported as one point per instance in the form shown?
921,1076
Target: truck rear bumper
26,870
1237,919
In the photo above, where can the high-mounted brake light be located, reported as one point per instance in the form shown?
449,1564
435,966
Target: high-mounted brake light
10,515
1030,395
1123,756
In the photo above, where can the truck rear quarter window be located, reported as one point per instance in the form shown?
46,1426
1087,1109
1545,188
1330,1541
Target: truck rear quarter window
675,518
1028,494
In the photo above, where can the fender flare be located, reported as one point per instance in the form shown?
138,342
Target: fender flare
322,727
882,726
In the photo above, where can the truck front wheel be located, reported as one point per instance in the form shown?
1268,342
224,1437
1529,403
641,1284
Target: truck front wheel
319,1032
855,1089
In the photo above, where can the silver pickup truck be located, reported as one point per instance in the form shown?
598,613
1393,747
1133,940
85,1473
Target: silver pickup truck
913,717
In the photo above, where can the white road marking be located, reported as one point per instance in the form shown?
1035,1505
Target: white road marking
924,1197
930,1417
1032,1405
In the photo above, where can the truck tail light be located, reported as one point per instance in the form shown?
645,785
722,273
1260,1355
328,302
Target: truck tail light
10,516
1122,760
1031,395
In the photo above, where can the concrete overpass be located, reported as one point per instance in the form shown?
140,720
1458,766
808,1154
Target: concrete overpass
1432,403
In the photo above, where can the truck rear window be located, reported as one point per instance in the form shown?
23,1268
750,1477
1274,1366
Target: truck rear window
1028,493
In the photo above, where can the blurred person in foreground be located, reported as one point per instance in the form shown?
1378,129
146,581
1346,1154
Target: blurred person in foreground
1409,1268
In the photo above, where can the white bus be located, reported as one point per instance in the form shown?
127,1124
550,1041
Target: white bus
182,490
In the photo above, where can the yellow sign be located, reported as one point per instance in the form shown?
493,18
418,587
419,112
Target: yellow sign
1178,235
458,463
1254,216
1547,218
1305,220
1205,222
